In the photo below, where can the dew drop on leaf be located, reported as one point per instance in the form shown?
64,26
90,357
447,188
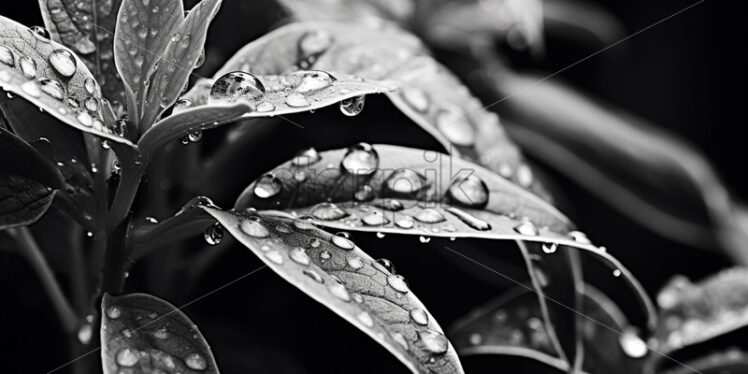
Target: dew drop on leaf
274,256
195,136
85,120
313,80
265,106
360,159
196,361
306,157
375,218
392,205
28,67
6,56
63,62
91,104
434,341
404,222
526,228
524,176
342,241
365,319
419,316
299,256
113,312
297,100
632,345
416,98
400,340
429,215
236,86
471,192
127,357
328,212
254,228
267,187
353,106
53,88
470,220
405,183
355,262
364,193
338,290
398,283
213,234
31,88
385,265
454,125
40,33
579,237
314,275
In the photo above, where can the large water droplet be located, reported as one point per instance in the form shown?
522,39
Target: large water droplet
469,219
338,290
40,33
328,212
434,341
405,183
268,186
471,192
419,316
53,88
375,218
127,357
254,228
397,282
63,62
341,241
360,159
429,215
353,106
196,361
632,345
28,67
526,228
6,56
236,86
306,157
299,255
213,234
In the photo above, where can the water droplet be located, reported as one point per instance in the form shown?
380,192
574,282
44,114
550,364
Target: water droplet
419,316
550,248
385,265
28,67
424,239
404,222
213,234
127,357
380,235
355,262
632,345
469,219
314,275
328,212
429,215
296,100
353,106
375,218
471,192
91,104
268,186
405,183
195,136
265,106
40,33
161,333
85,332
63,62
417,98
524,175
274,256
455,126
196,361
364,193
526,228
325,255
113,312
299,255
400,340
338,290
53,88
397,282
306,157
360,159
151,220
90,85
116,166
392,205
254,228
579,237
365,319
106,144
313,80
617,273
434,341
236,86
85,119
342,241
31,88
6,56
475,339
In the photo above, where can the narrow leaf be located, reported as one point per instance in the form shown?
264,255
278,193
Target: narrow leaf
53,78
87,27
141,333
179,59
429,94
732,360
333,271
390,189
144,29
28,182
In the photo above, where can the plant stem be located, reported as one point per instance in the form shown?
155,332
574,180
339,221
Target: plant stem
32,252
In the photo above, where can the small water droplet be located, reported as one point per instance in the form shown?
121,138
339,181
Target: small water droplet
419,316
85,332
274,256
455,126
471,192
314,275
434,341
353,106
397,283
127,357
306,157
113,312
296,100
617,273
85,119
338,290
579,237
526,228
475,338
90,85
550,247
469,219
268,186
404,222
325,255
254,228
161,333
360,159
429,215
524,176
53,88
91,104
355,262
40,33
213,234
365,319
385,265
375,218
6,56
236,86
424,239
151,220
312,81
380,235
342,241
31,88
106,144
299,255
417,98
400,340
311,45
195,136
64,62
28,67
632,345
196,361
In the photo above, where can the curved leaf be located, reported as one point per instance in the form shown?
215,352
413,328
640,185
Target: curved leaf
141,333
28,182
511,325
695,313
430,95
733,360
333,271
144,29
424,193
53,78
87,27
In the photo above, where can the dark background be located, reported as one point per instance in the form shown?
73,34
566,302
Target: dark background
686,75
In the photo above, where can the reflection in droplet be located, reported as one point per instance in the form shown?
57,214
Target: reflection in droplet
306,157
419,316
353,106
360,159
236,86
405,183
268,186
254,228
471,192
63,62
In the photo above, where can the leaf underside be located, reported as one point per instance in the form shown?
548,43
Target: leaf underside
330,269
141,333
53,78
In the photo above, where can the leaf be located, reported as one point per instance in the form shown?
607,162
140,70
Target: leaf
430,95
28,182
179,59
512,325
144,334
144,29
652,176
53,78
732,360
87,27
695,313
390,189
344,10
333,271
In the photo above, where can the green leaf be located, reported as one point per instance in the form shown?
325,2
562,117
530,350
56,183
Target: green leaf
144,334
333,271
87,27
390,189
53,78
429,94
144,29
696,313
178,60
512,325
28,182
